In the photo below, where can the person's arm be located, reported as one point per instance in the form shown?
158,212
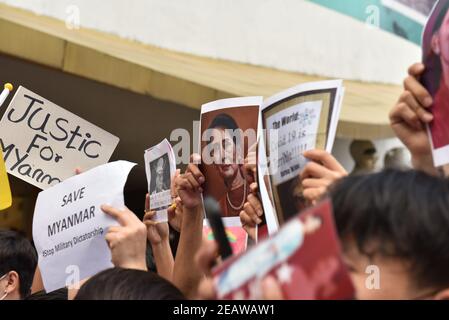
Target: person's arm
189,190
158,235
409,118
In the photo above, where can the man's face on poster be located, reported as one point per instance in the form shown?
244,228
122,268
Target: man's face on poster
440,42
160,174
160,167
224,153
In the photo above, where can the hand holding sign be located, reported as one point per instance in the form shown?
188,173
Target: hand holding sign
157,232
127,241
43,143
69,227
319,174
189,185
409,118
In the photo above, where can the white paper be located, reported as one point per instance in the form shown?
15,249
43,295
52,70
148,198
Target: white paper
296,131
291,139
43,143
160,167
68,233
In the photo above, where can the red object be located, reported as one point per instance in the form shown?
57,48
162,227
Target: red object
440,125
304,256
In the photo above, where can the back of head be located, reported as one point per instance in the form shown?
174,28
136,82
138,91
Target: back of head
17,254
399,214
128,284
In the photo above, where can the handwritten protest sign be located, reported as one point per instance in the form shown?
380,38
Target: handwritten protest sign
304,257
43,143
160,166
69,226
5,191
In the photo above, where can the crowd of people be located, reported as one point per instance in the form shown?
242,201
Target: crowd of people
395,219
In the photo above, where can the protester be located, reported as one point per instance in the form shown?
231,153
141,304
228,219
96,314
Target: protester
188,186
128,284
394,223
18,261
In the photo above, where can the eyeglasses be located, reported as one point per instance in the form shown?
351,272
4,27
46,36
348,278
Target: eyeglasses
4,276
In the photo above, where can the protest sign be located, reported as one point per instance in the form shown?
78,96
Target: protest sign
43,144
237,236
229,130
296,120
5,191
69,227
436,79
160,167
304,257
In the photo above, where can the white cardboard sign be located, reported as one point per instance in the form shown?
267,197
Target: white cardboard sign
69,226
43,143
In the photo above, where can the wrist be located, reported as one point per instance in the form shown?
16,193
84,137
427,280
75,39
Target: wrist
424,163
137,264
162,245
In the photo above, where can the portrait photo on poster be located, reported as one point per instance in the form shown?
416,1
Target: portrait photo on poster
160,167
436,79
160,171
298,119
228,138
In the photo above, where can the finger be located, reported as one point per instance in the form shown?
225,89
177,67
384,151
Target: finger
248,208
416,69
189,176
312,183
147,202
150,223
121,216
313,194
325,158
149,215
314,170
183,184
254,187
113,229
110,239
195,171
419,92
271,289
416,107
402,113
246,220
255,203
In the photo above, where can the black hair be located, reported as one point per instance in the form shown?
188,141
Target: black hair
224,120
17,254
128,284
399,214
